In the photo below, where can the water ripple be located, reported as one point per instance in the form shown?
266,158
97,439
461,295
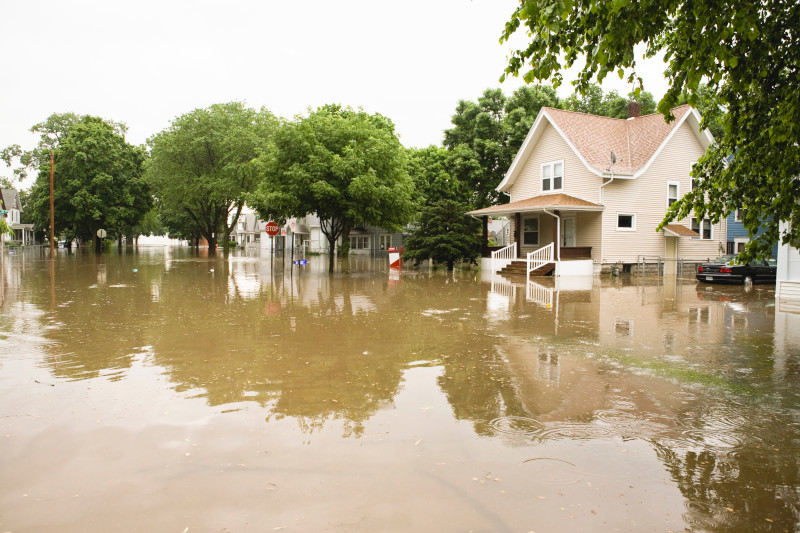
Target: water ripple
516,426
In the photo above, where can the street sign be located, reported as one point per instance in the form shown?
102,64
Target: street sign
272,228
101,233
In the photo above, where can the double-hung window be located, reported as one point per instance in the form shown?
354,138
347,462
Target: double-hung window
673,192
703,227
530,231
553,176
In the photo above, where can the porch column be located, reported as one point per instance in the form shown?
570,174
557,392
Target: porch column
556,236
517,225
485,239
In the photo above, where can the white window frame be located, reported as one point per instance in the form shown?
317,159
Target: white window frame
551,180
538,230
737,217
633,221
737,241
700,227
358,240
670,199
384,241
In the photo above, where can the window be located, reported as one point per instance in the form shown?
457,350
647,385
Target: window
530,231
553,176
384,242
705,230
626,222
739,216
359,242
673,190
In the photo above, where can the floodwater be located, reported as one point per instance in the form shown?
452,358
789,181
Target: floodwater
165,391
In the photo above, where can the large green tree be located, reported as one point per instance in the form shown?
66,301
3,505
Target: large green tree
97,182
748,54
444,235
202,168
486,135
430,173
611,104
347,167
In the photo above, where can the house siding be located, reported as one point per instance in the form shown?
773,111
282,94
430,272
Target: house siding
646,198
736,230
578,180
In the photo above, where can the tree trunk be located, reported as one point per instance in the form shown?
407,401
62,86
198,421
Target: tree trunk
450,264
332,250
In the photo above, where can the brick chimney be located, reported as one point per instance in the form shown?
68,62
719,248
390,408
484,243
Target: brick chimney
634,109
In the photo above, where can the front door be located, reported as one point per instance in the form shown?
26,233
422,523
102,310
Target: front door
568,230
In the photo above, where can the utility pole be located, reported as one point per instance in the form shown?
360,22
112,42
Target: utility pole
52,208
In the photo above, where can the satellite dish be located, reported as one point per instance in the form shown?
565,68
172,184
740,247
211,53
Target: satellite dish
613,158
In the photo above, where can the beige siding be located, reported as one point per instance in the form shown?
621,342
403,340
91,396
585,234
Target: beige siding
578,181
646,198
590,227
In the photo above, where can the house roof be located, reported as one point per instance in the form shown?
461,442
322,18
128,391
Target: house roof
635,142
540,203
676,230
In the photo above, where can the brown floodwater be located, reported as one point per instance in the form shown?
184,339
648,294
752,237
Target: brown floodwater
161,390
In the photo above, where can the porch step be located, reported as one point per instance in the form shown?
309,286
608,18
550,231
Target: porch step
518,268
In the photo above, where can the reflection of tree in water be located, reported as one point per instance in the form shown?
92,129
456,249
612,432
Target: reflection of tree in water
100,304
315,352
752,489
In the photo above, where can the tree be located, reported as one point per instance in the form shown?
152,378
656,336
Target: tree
486,135
748,53
346,166
594,102
51,131
445,235
97,182
201,168
429,171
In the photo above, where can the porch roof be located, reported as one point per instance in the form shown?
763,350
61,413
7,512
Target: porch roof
676,230
562,202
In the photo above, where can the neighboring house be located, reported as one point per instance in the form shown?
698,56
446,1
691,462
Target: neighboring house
787,283
305,234
738,236
248,231
597,188
23,233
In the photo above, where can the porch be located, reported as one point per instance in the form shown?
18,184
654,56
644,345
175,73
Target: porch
574,261
568,227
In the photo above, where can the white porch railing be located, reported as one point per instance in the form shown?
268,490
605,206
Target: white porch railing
539,258
540,294
502,257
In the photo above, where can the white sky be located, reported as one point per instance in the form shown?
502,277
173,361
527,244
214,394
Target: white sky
146,62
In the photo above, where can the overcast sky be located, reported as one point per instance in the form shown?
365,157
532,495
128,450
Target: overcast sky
146,62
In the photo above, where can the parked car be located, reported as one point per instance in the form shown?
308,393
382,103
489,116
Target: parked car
726,269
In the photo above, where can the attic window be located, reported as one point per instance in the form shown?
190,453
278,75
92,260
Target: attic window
553,176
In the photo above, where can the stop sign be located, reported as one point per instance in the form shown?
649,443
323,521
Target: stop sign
272,228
